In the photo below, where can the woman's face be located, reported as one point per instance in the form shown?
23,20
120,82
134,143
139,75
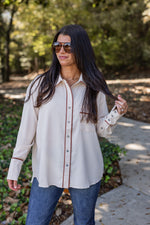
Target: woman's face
64,58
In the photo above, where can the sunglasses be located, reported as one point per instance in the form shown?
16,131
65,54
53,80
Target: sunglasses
58,45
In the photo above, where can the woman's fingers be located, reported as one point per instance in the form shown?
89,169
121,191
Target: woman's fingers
13,185
10,183
122,105
119,109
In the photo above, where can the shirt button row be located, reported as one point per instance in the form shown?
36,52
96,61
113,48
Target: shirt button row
67,165
67,150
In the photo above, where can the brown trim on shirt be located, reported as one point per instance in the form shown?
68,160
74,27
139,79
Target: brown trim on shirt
108,123
71,139
65,136
84,113
17,158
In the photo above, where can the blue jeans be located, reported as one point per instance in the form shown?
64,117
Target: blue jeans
43,201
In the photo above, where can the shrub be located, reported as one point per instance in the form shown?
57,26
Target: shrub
111,154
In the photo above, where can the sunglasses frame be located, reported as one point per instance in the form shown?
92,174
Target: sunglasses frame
62,44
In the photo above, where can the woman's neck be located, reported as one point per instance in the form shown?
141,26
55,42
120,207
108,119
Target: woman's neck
70,73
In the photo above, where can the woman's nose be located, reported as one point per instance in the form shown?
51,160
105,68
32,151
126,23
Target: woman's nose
62,49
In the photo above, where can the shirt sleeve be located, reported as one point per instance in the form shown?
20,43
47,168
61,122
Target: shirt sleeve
106,121
25,137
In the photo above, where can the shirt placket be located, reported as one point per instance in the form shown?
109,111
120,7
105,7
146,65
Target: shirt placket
68,137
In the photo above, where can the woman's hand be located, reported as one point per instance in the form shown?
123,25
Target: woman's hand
121,105
13,185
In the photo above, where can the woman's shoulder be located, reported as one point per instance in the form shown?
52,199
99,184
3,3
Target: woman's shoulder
34,85
37,80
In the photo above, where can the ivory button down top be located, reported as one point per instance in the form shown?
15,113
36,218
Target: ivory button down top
65,150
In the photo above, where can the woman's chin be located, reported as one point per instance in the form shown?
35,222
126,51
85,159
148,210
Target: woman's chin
62,63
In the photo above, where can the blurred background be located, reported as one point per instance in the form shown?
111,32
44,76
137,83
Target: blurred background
119,31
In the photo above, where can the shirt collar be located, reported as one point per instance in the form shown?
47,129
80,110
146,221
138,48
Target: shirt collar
81,79
60,79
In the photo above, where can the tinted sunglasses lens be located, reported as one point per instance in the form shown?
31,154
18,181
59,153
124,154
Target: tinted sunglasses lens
57,47
67,47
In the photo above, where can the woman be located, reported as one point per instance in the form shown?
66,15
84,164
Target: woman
64,111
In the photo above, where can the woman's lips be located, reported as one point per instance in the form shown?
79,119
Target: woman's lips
63,57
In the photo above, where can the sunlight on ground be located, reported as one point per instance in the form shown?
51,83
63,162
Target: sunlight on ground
126,124
145,127
144,157
29,76
104,206
135,146
132,81
146,168
9,94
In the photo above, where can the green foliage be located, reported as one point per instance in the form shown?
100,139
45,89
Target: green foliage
119,31
111,154
9,122
22,219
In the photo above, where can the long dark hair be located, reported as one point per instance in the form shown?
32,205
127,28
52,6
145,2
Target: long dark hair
85,61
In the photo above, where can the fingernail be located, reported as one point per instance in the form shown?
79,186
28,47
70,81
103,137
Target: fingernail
15,187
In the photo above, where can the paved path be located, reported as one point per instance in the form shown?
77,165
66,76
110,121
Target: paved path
128,204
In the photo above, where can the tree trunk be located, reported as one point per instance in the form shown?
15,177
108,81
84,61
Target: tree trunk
1,69
36,64
7,74
7,66
1,74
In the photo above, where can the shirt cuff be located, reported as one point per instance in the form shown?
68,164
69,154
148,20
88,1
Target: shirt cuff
112,117
14,169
